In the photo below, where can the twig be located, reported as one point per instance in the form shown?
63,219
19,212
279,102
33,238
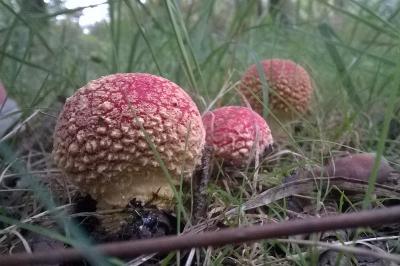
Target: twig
19,126
23,241
222,237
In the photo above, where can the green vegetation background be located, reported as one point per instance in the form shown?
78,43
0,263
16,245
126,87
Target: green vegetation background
350,48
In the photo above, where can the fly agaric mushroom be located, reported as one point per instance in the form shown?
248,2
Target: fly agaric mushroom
103,135
290,90
236,134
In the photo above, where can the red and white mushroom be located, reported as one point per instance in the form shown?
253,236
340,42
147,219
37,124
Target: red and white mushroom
290,90
103,135
236,134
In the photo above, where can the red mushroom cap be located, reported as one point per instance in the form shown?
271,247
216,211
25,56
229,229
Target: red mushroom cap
236,134
290,83
101,148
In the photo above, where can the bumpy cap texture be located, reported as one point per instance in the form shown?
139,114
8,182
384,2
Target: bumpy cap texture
236,134
100,146
290,86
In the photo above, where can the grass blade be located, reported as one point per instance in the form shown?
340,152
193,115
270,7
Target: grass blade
178,35
29,26
326,32
144,36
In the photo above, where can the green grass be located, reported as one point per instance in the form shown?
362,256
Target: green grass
351,52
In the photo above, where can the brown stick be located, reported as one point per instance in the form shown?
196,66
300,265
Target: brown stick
219,238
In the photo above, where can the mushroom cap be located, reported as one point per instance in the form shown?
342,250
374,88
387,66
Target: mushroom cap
236,134
101,147
290,83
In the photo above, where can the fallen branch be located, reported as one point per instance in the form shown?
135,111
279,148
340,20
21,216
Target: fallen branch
219,238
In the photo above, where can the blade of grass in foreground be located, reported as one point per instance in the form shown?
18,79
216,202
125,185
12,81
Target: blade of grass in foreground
114,32
26,54
36,66
378,28
144,35
29,26
52,235
191,51
394,94
371,43
327,32
182,49
132,52
386,23
44,196
7,40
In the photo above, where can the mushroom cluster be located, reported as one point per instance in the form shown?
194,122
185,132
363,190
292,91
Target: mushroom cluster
237,135
116,134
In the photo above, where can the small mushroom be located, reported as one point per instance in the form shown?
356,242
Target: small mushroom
236,134
103,135
290,90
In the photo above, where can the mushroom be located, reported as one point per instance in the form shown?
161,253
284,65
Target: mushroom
107,132
236,134
290,90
